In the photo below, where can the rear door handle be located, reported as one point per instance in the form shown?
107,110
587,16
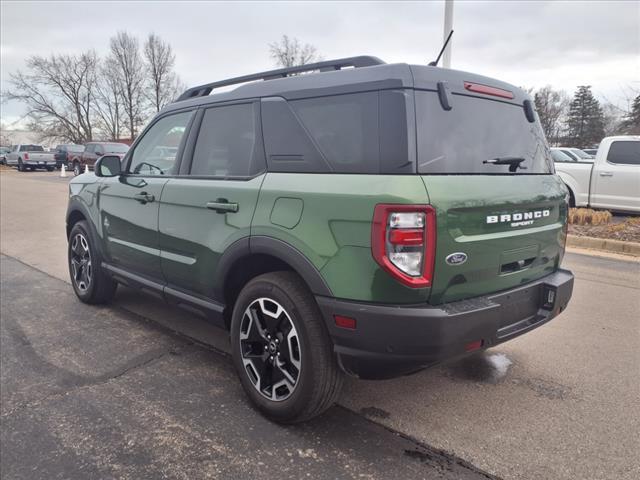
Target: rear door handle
222,205
606,174
144,197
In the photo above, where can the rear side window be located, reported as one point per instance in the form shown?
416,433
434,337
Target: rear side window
227,144
457,141
368,132
624,152
345,129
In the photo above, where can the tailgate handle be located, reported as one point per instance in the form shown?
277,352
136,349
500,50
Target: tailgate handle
517,265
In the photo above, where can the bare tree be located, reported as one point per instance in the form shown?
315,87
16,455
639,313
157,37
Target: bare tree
290,52
58,92
612,118
108,100
163,82
125,51
551,106
6,138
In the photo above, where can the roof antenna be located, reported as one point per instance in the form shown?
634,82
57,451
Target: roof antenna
446,42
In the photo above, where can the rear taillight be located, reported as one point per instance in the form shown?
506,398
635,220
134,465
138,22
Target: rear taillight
403,242
26,156
488,90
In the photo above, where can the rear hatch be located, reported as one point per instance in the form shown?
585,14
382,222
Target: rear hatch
498,225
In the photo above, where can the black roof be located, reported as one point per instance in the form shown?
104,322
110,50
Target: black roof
334,77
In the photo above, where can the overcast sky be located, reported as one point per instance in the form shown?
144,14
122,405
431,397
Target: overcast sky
530,44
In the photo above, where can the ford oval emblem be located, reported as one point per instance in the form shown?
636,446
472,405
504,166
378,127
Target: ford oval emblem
457,258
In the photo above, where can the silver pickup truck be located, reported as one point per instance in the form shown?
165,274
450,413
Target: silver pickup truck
30,157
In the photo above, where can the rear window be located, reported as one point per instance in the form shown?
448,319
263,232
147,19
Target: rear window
474,130
116,148
31,148
624,152
75,148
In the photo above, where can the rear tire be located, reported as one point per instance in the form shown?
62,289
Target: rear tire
90,281
76,169
50,169
281,349
20,165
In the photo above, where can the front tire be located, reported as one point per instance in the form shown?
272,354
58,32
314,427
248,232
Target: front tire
281,349
90,282
20,165
76,169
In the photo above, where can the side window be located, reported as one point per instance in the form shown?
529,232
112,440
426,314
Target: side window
90,148
155,153
345,128
227,144
624,152
337,133
99,150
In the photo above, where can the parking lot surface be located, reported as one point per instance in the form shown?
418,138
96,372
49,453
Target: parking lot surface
561,402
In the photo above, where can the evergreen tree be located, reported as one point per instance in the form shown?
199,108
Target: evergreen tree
631,122
585,122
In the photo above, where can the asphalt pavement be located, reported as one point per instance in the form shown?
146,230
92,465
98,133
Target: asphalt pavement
562,402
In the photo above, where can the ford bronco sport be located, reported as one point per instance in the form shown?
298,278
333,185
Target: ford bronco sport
372,220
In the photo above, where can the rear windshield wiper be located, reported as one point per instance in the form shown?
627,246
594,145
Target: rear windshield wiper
513,162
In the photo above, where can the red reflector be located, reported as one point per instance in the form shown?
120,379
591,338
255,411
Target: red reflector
406,237
471,346
345,322
487,90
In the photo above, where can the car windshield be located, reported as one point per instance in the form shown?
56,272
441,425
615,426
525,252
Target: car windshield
116,148
558,156
581,154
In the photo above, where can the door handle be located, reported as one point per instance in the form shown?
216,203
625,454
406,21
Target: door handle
222,205
144,197
606,174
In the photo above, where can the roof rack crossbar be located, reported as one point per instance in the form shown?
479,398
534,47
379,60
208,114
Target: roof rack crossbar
329,65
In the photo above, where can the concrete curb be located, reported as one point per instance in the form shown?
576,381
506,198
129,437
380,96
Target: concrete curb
607,245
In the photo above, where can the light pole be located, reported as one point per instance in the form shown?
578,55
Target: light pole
448,25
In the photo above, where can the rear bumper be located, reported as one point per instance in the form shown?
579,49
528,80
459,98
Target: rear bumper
395,340
39,163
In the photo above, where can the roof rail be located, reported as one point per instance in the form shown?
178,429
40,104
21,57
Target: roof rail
356,62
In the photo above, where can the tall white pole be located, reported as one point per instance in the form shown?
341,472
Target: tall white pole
448,25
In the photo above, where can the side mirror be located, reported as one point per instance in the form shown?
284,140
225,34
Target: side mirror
108,166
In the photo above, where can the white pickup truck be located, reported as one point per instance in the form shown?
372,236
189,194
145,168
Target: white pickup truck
30,157
611,181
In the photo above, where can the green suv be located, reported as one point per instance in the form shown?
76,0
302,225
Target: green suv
349,216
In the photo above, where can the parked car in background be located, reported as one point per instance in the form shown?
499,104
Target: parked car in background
94,150
576,154
612,181
590,151
64,153
3,154
559,156
30,157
